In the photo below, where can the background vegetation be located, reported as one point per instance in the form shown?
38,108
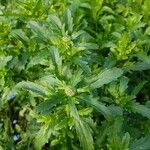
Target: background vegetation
74,74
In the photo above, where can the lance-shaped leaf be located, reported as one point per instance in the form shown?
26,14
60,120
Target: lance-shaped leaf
141,144
140,66
147,32
141,109
55,21
20,35
69,20
90,46
46,107
50,81
27,85
82,129
4,60
143,64
42,136
77,34
83,64
105,77
38,58
98,106
39,30
56,59
138,88
77,78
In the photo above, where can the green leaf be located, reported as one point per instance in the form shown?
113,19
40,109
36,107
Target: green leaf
140,66
30,86
56,59
126,140
141,109
50,81
69,20
84,65
4,60
147,32
138,88
144,57
100,107
42,137
105,77
38,30
115,110
82,129
143,64
20,35
76,35
77,78
39,58
90,46
55,21
123,84
45,107
141,144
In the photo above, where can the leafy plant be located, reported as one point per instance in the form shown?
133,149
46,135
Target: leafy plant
74,75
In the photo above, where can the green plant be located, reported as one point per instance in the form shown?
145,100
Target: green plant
74,75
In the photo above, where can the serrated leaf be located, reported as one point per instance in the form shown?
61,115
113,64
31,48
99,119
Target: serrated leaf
126,140
105,77
38,59
56,59
69,20
140,66
77,34
62,123
147,32
85,111
90,46
36,28
141,144
50,81
84,65
138,88
77,77
20,35
42,137
143,64
4,60
55,21
115,110
45,107
107,9
144,57
85,5
98,106
30,86
141,109
123,84
82,129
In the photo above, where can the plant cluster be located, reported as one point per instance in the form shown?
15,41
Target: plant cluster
74,74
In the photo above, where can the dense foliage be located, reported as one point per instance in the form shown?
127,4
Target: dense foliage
74,74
